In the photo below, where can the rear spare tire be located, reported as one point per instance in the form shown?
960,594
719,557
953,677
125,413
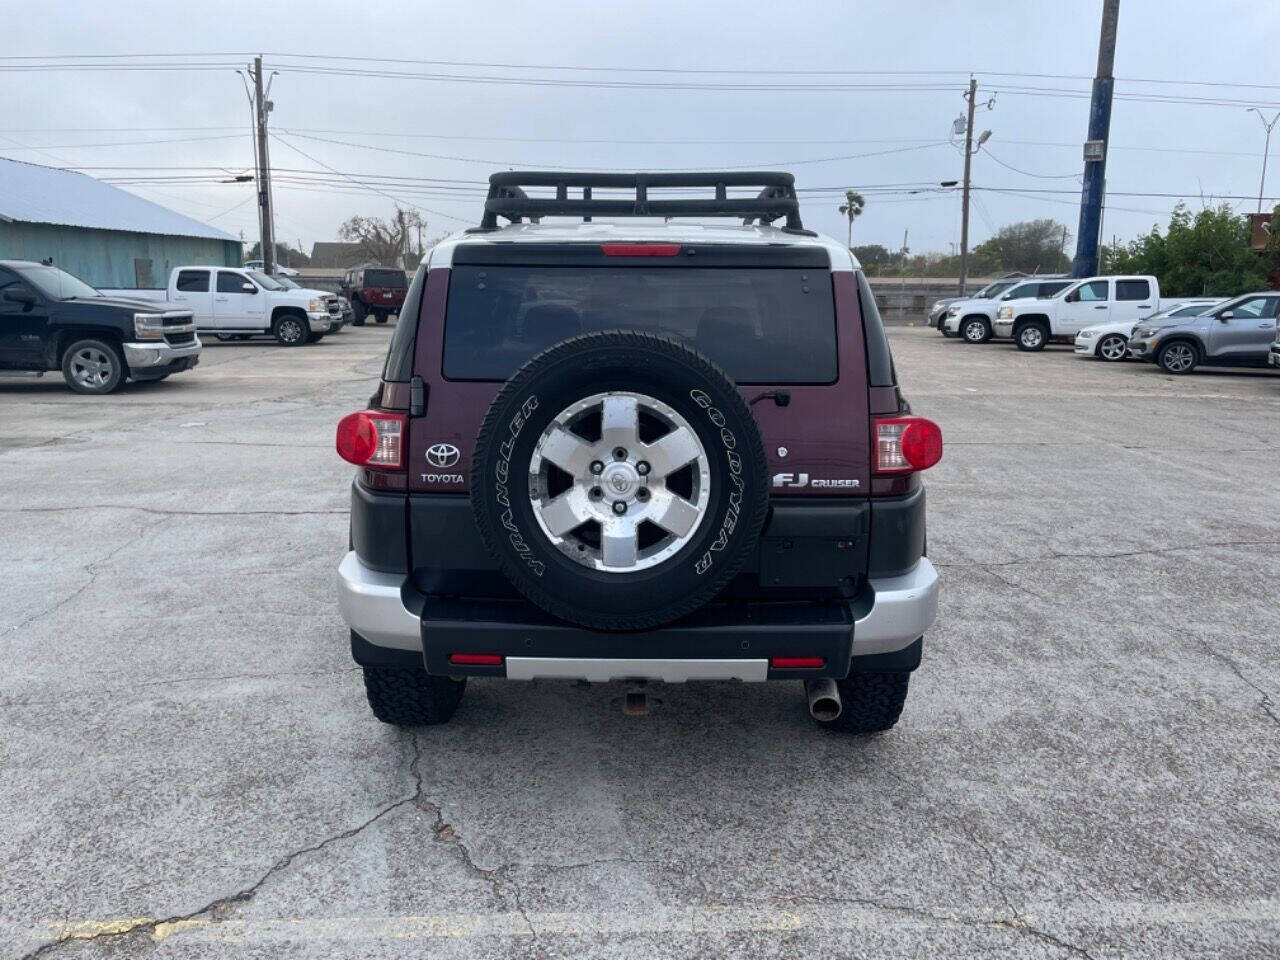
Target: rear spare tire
619,479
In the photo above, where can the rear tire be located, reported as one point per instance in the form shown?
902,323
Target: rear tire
93,366
871,702
1032,337
358,313
381,317
411,698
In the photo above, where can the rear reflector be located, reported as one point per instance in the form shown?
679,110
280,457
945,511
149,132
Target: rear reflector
640,249
906,444
372,439
796,663
476,659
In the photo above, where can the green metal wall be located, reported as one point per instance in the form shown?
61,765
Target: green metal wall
106,258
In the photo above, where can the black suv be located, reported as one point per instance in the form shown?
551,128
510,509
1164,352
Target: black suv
625,451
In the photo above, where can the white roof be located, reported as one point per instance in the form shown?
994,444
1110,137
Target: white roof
30,193
673,231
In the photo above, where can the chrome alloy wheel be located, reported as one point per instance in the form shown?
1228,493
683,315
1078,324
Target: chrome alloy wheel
1113,347
291,330
974,331
619,482
1031,337
92,368
1179,358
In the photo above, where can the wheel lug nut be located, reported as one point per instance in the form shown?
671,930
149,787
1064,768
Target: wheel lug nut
596,493
619,507
642,494
597,466
642,468
619,453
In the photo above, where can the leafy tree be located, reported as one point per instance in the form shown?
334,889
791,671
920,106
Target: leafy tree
1032,246
387,242
875,257
1206,255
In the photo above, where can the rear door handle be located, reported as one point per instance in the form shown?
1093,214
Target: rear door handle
1101,306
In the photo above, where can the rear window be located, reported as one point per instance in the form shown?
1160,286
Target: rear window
384,278
762,325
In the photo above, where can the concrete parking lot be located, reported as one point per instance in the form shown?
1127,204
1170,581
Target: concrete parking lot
1088,765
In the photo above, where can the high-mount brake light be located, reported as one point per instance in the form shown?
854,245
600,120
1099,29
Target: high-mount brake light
372,439
905,444
640,249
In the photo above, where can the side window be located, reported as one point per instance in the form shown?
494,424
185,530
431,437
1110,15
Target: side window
230,282
1133,290
1272,309
1048,290
193,281
1090,292
1250,309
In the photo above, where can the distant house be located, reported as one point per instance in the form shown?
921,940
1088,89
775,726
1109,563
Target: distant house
106,236
333,255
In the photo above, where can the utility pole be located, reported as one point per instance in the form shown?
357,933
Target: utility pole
1262,184
261,108
972,97
1095,149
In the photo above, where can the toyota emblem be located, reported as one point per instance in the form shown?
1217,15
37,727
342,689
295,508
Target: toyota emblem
443,455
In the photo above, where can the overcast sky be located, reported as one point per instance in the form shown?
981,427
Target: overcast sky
1172,146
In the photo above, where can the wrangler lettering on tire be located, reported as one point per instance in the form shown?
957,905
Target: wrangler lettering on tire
619,479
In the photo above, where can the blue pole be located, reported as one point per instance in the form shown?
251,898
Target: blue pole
1095,171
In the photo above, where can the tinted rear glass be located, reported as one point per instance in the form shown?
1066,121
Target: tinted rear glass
384,278
763,325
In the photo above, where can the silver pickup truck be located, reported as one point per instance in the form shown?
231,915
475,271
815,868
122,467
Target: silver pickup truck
1240,332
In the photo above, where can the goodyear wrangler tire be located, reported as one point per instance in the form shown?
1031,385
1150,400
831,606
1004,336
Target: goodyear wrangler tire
619,479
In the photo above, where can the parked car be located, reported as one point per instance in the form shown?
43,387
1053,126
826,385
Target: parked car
51,320
1274,358
939,309
974,318
374,291
235,303
1240,332
1092,300
630,452
261,267
1110,341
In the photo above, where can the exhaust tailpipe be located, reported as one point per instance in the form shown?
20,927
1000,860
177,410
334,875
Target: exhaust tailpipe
824,699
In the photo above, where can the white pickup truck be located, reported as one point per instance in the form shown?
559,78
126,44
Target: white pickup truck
236,303
1086,302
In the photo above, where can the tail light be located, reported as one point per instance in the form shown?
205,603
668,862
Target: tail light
372,439
905,444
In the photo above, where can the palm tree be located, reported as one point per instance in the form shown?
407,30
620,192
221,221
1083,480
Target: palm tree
852,207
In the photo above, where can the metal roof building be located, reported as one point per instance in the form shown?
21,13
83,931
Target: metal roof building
106,236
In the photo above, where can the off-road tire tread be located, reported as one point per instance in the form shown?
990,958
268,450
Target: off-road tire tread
411,698
608,340
872,702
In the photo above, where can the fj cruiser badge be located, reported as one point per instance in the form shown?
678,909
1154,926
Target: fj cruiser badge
802,480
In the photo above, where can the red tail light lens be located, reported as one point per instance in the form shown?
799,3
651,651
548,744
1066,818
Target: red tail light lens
372,439
797,663
906,444
640,249
476,659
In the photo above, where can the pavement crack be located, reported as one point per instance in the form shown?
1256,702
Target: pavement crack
91,568
1266,703
220,909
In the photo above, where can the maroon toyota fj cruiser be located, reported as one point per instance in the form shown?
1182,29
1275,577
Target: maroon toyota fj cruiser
625,451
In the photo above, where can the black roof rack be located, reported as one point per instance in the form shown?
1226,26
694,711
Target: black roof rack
507,198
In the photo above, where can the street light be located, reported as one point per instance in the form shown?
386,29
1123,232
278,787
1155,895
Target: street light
1265,150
